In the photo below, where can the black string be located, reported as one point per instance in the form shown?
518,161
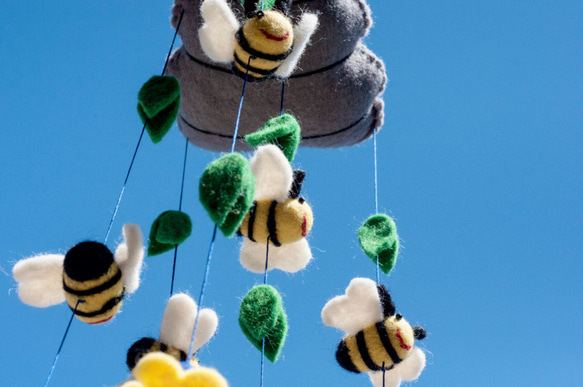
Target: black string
140,140
282,94
62,343
179,209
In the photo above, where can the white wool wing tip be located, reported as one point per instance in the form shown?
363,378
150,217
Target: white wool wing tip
302,33
358,307
273,173
178,323
130,255
40,280
291,257
217,35
408,370
252,256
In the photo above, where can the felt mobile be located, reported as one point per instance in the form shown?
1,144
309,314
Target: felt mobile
279,216
176,331
89,277
377,337
336,88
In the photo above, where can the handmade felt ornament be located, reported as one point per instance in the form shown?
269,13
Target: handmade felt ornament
262,317
336,88
283,131
176,332
378,237
158,369
226,190
279,216
377,337
158,103
89,277
170,229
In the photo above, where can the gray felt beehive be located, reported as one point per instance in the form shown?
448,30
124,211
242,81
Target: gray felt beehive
336,91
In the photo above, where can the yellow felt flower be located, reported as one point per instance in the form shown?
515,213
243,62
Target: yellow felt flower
158,369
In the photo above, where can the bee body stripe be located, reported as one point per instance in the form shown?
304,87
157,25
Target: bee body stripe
251,223
98,289
271,225
343,358
382,331
252,69
363,350
110,304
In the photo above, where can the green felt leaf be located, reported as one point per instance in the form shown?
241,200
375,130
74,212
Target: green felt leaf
158,104
226,190
267,4
283,131
378,236
170,229
262,316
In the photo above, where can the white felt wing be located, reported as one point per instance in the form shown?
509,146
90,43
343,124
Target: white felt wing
358,307
290,257
129,256
40,280
409,369
273,173
217,34
178,323
252,256
302,33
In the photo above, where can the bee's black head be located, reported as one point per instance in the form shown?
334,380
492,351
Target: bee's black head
137,350
87,261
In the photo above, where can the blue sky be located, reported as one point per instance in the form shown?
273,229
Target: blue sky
479,164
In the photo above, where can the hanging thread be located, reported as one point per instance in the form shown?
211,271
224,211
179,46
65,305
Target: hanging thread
179,209
140,139
264,283
282,94
62,343
210,252
376,195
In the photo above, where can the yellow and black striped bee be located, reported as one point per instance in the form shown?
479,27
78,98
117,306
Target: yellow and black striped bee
267,43
279,215
176,332
377,337
89,277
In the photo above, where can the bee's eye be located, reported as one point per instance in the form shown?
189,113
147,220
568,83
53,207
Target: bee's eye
301,200
398,317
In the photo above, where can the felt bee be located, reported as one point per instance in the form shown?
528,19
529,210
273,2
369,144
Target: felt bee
267,39
377,337
278,215
89,277
176,331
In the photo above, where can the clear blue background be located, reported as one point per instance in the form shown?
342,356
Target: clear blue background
479,163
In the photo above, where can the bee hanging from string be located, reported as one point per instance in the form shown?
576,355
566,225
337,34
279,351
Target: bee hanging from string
91,279
379,340
279,215
267,42
176,331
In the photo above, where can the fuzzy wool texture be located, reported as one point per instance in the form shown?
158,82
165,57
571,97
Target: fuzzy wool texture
358,307
226,190
338,106
378,236
283,131
178,323
408,370
158,369
158,104
170,229
220,26
273,173
303,31
129,256
291,257
40,278
262,316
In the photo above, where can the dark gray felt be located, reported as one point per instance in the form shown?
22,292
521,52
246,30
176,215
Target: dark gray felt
337,107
